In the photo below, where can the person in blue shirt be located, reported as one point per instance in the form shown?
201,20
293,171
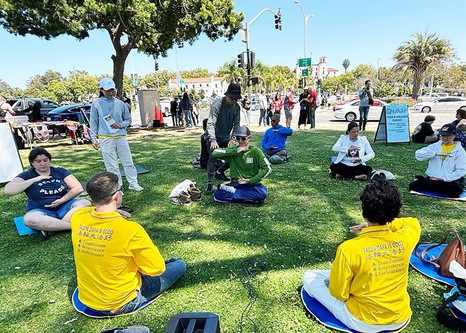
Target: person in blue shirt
273,142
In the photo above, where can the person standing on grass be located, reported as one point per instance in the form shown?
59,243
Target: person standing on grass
109,119
366,288
312,105
288,106
353,153
263,108
248,167
174,111
447,165
223,120
303,109
118,267
365,95
246,110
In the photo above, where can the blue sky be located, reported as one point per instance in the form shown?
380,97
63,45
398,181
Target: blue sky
365,32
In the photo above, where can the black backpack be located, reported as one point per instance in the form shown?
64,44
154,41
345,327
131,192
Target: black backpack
449,320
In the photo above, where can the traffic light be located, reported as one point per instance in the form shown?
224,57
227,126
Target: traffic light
278,20
300,84
319,83
254,80
251,59
156,66
241,60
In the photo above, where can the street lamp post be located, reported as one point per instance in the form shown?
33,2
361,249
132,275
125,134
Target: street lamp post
305,18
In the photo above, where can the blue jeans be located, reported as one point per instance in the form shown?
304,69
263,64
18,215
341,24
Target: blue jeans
152,286
363,112
187,117
247,193
58,212
312,116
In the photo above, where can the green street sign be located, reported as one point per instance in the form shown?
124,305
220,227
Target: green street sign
305,72
181,81
304,62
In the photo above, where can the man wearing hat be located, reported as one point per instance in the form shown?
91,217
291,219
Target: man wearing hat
223,120
248,165
447,165
109,119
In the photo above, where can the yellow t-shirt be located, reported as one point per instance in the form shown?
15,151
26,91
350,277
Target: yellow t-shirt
370,272
110,253
447,149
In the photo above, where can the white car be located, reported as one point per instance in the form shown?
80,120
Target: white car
350,110
446,104
431,96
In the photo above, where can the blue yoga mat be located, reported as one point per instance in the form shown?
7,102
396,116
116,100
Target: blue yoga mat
326,318
430,270
21,228
462,197
87,311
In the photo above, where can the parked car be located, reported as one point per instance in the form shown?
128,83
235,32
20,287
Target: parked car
446,104
350,110
69,112
431,96
46,105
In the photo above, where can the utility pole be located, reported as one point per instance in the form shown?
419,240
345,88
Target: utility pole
249,54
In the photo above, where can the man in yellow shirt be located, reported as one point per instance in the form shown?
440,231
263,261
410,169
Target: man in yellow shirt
366,289
118,267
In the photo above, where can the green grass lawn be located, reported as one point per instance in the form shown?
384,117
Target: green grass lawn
243,263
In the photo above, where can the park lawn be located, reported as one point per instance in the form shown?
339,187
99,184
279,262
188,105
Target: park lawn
243,263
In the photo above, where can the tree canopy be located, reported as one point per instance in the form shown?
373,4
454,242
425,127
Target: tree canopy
419,53
150,26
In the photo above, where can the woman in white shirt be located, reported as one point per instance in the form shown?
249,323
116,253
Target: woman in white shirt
353,153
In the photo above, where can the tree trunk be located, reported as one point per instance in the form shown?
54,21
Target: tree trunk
118,70
417,79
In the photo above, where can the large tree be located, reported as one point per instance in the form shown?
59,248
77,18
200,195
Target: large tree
420,52
150,26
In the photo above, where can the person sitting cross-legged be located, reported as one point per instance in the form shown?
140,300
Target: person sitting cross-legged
248,166
118,267
447,165
366,288
273,142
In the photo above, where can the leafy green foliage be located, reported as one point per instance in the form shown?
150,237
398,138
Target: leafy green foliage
234,254
150,26
419,53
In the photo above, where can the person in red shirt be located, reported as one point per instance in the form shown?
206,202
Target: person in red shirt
288,106
277,104
312,104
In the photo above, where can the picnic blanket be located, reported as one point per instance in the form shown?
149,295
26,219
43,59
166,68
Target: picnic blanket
462,197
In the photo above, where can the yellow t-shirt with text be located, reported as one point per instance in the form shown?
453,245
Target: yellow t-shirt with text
110,255
370,272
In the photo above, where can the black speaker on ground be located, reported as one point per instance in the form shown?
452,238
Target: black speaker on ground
194,322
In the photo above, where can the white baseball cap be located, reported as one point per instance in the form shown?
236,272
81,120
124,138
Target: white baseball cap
106,83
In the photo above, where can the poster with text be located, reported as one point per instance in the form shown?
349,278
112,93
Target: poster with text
397,123
11,162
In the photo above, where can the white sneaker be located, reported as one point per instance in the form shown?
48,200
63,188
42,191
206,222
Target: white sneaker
227,188
136,187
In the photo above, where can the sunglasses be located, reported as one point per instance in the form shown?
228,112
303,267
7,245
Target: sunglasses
119,189
241,138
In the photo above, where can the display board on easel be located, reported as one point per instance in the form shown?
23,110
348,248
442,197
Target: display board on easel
394,124
11,161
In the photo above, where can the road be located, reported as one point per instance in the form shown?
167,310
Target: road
325,120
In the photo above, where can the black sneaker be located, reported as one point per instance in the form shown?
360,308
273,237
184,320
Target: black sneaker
208,189
221,176
43,235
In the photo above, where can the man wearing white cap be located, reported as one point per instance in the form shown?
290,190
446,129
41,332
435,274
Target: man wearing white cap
109,119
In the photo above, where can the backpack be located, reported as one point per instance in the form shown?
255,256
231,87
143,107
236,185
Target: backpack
457,296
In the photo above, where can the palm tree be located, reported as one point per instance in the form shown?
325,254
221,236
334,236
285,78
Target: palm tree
420,52
346,64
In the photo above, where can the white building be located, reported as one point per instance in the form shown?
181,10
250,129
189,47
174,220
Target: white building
210,85
321,70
